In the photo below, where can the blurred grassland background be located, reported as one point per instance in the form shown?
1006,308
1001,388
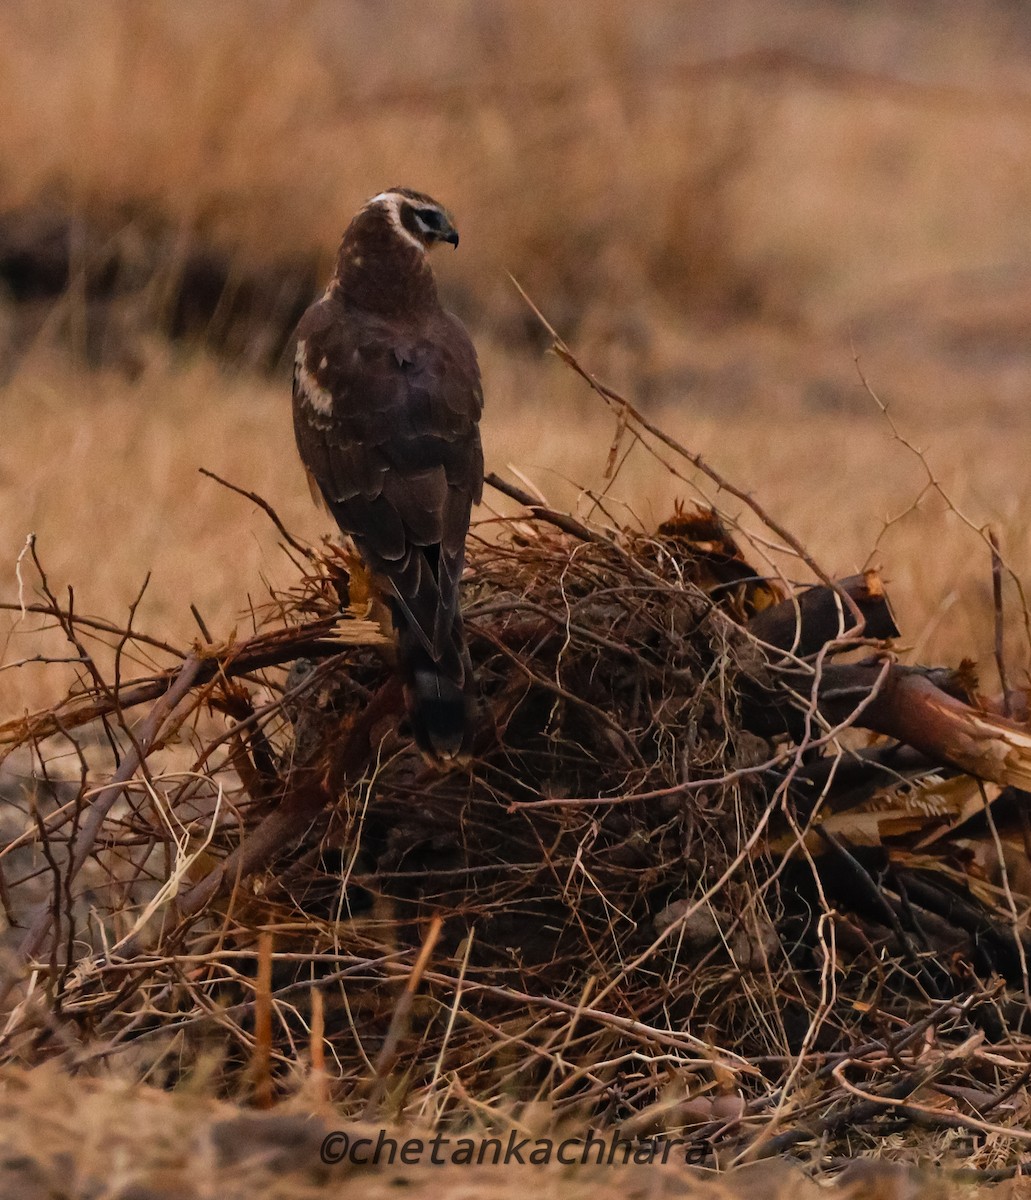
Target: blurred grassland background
718,206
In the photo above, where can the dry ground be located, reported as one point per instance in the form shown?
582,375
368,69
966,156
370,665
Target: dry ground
114,1141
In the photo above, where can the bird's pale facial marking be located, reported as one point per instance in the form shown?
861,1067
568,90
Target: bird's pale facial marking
420,223
316,396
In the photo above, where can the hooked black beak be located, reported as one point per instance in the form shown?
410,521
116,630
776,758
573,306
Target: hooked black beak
451,236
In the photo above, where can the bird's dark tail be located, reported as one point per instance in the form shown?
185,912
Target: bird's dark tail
436,671
438,695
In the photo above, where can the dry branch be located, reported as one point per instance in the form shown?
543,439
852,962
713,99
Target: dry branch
309,640
906,704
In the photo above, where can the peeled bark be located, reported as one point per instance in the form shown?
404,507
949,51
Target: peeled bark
908,704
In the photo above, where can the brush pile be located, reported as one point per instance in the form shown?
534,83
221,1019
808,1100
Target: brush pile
718,865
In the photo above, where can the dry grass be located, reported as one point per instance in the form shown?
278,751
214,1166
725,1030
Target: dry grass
104,472
596,151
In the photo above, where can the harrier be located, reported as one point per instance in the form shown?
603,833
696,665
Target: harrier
387,401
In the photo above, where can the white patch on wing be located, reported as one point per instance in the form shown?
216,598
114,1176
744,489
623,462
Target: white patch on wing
318,397
390,203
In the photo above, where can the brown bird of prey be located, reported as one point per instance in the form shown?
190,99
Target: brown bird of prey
387,401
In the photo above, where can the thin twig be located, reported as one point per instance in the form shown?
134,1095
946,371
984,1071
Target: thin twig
1000,629
399,1021
560,520
266,508
261,1059
563,352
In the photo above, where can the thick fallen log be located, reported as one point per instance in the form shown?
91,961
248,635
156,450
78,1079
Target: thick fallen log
805,623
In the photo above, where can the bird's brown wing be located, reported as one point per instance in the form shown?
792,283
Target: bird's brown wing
386,422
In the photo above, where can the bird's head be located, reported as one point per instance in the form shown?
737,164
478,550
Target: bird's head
418,218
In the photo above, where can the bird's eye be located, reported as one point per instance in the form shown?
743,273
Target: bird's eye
430,219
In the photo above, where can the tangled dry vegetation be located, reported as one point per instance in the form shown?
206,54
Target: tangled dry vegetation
720,866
